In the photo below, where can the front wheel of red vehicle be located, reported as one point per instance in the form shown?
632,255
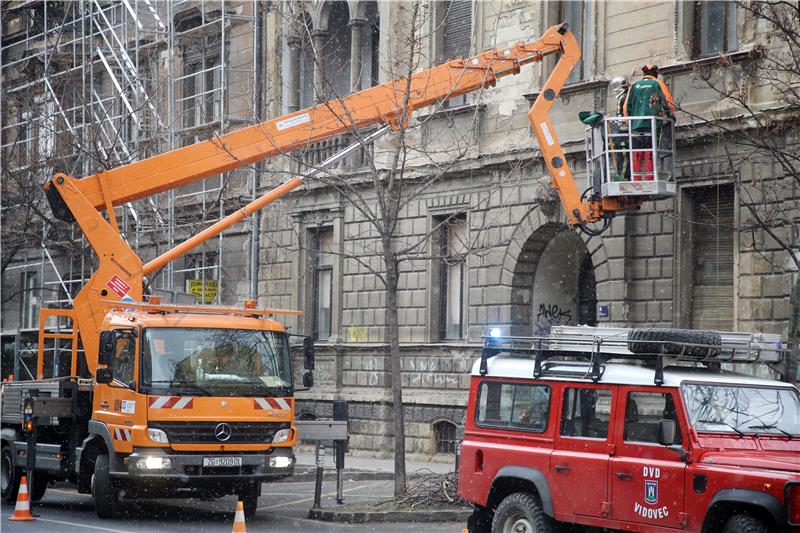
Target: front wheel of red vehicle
521,512
745,523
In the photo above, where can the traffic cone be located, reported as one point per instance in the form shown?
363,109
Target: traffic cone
23,509
238,521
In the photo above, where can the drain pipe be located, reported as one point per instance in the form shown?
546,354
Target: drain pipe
261,11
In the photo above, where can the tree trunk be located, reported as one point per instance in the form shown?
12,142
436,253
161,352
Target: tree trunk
394,356
794,333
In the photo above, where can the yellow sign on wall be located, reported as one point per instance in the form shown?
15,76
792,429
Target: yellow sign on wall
205,290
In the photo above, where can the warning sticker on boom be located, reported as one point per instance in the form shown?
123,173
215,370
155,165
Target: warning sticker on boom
293,121
118,285
546,132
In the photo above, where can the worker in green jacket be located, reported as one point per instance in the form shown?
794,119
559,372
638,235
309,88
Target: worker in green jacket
648,97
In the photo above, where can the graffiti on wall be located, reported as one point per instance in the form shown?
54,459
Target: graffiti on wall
550,315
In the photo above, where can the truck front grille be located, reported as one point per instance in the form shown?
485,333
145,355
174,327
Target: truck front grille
204,432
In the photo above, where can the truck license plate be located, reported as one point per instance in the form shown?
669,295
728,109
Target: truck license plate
222,461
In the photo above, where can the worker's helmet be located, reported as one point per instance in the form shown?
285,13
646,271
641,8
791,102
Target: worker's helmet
619,86
650,70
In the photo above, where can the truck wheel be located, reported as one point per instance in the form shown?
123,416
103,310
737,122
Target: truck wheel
674,342
39,486
104,493
249,497
521,513
745,523
9,475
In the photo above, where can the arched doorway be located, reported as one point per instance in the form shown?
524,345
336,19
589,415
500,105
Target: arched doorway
553,282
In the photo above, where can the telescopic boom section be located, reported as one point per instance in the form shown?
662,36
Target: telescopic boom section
120,273
382,104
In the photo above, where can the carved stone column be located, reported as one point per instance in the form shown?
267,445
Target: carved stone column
319,37
293,96
356,34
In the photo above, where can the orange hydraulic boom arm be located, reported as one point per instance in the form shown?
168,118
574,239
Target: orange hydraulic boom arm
120,272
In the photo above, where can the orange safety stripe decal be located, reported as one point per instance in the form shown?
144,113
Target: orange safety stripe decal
273,403
122,434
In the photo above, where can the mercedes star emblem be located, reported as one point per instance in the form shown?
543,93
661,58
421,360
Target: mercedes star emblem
223,432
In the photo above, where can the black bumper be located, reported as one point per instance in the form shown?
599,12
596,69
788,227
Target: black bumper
186,470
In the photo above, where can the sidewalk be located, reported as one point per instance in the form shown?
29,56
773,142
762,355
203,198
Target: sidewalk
306,462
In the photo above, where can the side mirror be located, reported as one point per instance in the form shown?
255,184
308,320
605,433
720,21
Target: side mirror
104,375
666,432
308,379
106,349
308,353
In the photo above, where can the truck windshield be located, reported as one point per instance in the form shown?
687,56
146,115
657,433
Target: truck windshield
739,409
216,362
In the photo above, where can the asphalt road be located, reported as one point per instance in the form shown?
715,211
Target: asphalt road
282,508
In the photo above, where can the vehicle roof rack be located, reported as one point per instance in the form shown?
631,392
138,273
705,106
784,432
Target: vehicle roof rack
594,346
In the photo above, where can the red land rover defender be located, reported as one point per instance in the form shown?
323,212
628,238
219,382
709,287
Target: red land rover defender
555,432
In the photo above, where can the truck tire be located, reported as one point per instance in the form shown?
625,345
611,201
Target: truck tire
9,475
39,486
674,342
745,523
104,493
249,497
521,512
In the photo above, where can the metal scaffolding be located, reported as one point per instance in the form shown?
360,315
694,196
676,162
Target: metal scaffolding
94,84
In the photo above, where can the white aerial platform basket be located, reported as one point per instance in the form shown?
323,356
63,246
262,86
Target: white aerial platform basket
631,157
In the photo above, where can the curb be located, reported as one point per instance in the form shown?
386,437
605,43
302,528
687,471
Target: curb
362,517
330,475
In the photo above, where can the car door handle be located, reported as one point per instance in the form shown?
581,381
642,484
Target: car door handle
561,468
104,405
624,475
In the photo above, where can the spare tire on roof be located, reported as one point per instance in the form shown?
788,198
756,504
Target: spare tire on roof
689,342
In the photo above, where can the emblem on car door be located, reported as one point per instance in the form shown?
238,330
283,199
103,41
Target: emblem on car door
651,491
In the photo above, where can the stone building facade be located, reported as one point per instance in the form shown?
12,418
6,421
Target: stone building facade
697,260
493,246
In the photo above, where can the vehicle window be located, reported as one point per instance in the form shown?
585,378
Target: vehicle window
513,405
214,361
124,356
585,413
643,413
742,409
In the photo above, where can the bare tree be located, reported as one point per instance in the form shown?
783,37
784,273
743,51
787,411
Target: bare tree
767,139
410,164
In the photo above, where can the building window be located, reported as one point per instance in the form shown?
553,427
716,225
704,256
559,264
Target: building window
714,28
450,252
712,237
30,299
201,82
574,12
323,251
444,432
201,276
453,35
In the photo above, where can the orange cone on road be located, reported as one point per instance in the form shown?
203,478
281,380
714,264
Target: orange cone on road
23,509
238,522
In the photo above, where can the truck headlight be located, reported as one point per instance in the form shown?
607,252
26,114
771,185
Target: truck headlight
154,462
157,435
280,461
281,436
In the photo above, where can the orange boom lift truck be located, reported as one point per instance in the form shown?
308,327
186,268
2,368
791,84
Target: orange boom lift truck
166,400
